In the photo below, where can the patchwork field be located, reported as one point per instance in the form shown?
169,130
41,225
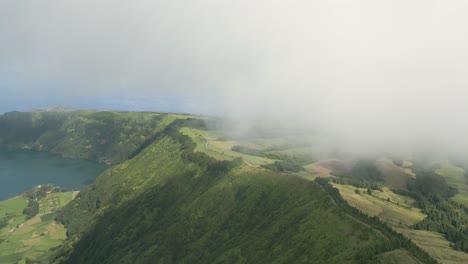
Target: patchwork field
436,245
390,207
398,212
32,239
210,143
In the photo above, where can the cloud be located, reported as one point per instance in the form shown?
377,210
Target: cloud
367,74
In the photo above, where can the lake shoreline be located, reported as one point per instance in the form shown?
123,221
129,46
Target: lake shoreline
23,170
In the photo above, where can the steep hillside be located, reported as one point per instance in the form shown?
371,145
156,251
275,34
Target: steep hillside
182,193
170,204
104,136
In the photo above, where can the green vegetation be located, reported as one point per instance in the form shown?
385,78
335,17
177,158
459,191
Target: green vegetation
398,256
436,245
367,170
395,177
400,213
272,153
182,193
285,165
212,144
394,209
31,209
286,159
395,240
256,225
105,136
172,204
456,178
36,194
432,194
25,239
364,174
248,150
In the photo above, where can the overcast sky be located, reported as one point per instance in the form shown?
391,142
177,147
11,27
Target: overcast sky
365,72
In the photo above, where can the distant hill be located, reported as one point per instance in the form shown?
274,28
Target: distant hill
105,136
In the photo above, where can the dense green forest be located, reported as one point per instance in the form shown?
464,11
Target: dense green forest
364,174
170,204
432,195
104,136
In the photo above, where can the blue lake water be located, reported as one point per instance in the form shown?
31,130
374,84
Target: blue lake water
20,171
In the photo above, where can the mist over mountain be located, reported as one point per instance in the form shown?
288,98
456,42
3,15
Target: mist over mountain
368,75
241,131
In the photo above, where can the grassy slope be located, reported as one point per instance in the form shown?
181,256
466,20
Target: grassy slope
324,168
160,208
31,238
398,209
436,245
394,176
212,143
398,256
455,177
209,143
401,215
242,218
126,181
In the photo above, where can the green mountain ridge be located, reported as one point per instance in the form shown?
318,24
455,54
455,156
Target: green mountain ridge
170,204
104,136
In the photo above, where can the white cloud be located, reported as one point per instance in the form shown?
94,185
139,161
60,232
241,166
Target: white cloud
370,73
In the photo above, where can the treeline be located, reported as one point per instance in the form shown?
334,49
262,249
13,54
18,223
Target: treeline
432,194
248,150
395,240
188,147
33,196
364,174
284,165
284,162
32,209
4,220
358,183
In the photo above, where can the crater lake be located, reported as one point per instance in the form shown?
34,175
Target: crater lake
21,171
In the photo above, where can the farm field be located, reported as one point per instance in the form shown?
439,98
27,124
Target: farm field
32,239
209,142
398,212
390,207
436,245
